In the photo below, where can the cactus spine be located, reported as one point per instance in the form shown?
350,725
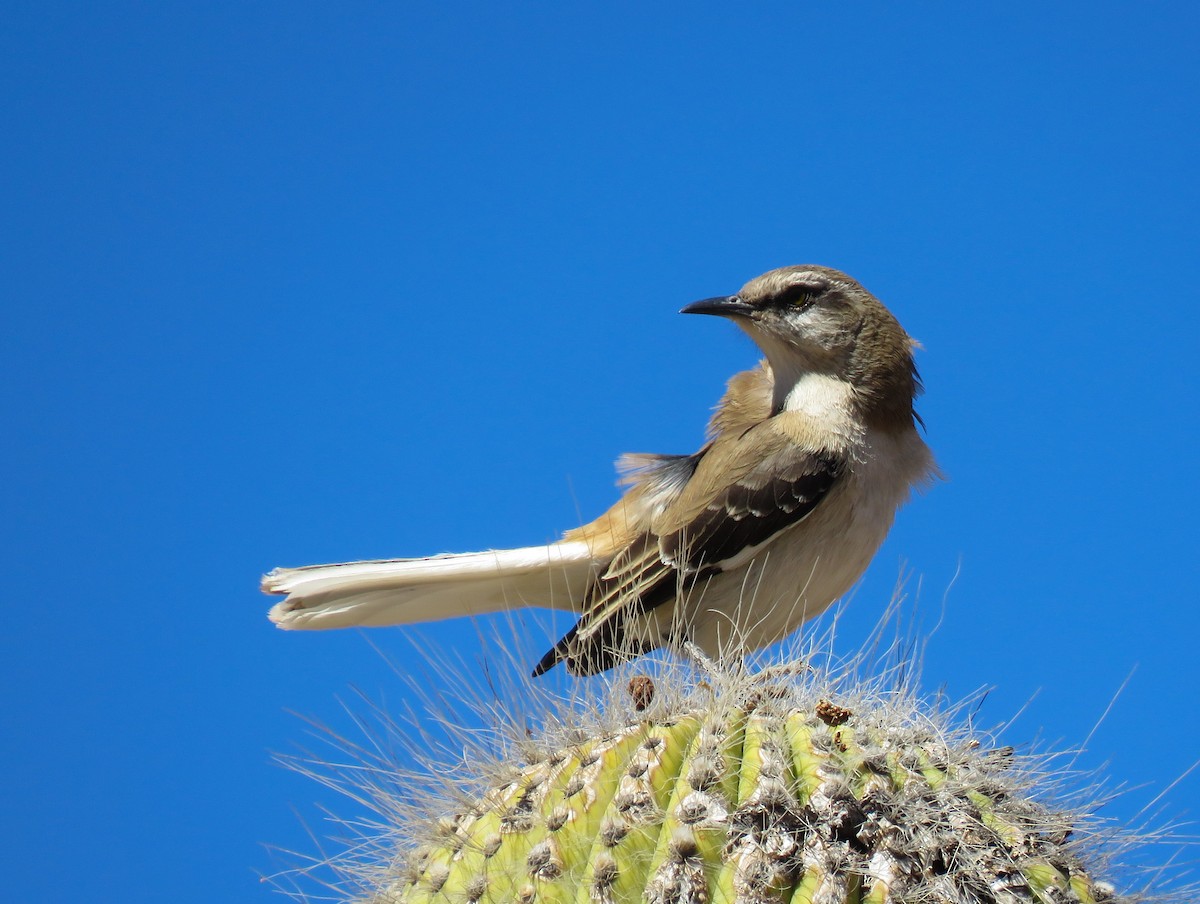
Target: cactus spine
762,793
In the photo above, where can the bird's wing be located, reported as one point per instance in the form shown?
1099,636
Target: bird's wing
716,528
742,492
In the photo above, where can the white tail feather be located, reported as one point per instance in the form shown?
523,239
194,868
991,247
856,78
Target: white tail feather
404,591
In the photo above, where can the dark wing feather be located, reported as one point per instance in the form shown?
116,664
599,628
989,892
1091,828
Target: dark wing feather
751,511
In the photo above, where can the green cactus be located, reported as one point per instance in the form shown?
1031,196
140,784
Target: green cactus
751,788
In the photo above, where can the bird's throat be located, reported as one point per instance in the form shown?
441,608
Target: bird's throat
818,395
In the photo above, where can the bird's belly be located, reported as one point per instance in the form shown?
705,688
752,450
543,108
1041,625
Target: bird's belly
775,593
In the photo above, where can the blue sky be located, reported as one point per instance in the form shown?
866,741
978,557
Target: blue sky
296,282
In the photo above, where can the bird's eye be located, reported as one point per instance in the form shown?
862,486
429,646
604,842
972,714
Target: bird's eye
799,295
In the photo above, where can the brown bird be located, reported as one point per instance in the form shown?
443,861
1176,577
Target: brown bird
808,457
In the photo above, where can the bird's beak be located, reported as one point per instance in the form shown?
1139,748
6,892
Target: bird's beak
723,306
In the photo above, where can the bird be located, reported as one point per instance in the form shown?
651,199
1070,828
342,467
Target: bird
807,458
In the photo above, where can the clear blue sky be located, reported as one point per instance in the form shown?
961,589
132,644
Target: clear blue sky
299,282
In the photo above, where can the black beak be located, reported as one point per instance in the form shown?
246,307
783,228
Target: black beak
724,306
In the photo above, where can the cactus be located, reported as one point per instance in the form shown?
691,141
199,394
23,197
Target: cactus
728,786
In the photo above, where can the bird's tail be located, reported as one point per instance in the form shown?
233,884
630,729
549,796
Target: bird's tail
403,591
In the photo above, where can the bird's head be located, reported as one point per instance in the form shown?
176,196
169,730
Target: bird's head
809,319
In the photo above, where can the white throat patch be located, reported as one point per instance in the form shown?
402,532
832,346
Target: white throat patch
821,396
